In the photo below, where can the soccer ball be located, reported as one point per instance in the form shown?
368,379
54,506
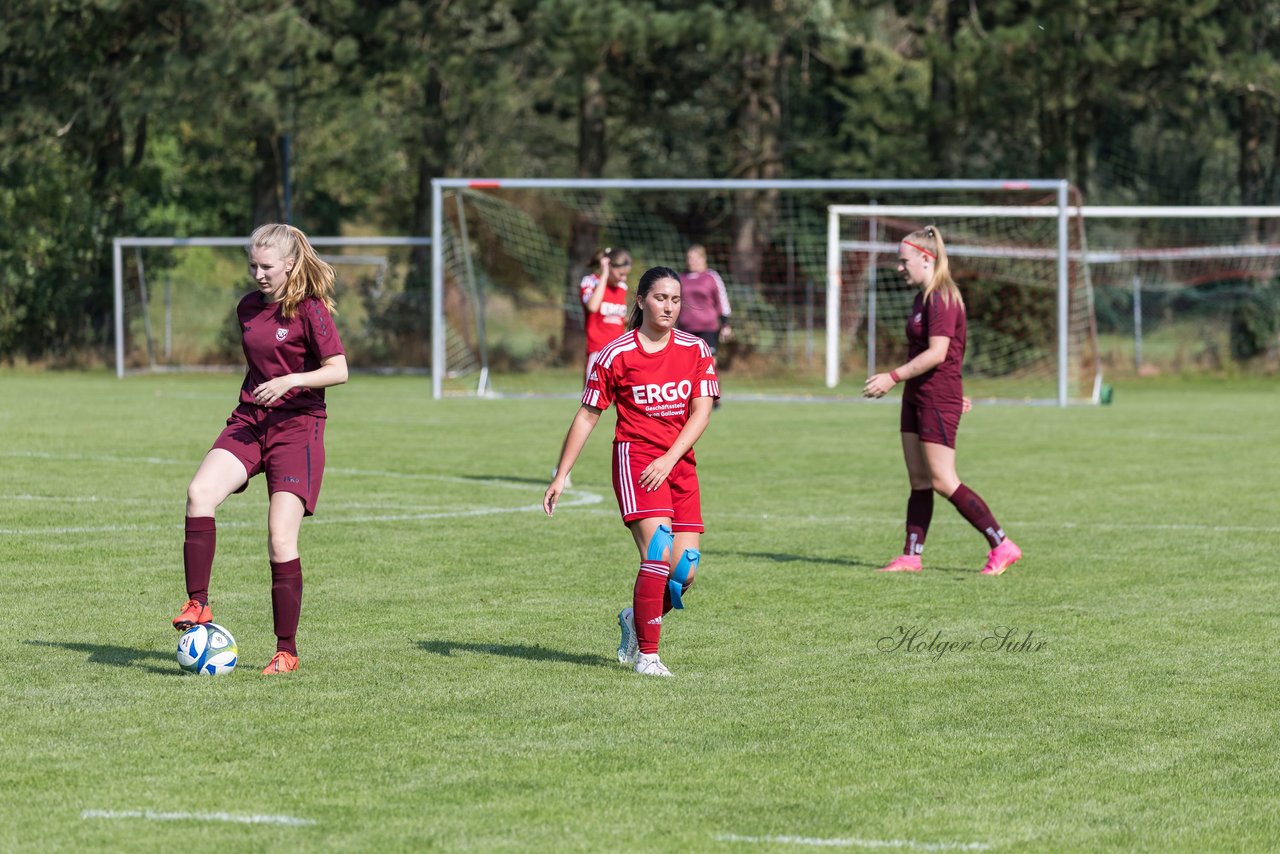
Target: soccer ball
207,649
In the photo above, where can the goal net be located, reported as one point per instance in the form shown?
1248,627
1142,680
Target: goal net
511,254
1186,289
1023,274
175,300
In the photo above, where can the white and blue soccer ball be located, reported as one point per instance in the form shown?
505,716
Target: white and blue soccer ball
207,649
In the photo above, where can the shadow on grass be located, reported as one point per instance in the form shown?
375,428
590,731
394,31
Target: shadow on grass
778,557
504,478
117,656
513,650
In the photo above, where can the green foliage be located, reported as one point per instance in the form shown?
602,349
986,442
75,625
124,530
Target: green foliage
132,117
1255,320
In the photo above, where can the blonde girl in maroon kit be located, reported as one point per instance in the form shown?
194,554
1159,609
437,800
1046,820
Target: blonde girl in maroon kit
662,382
293,352
933,403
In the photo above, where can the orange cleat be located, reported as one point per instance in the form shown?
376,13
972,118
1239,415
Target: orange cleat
903,563
281,662
193,613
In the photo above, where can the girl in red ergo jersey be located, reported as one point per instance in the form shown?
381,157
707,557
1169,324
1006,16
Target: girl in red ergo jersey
933,403
663,382
604,300
293,353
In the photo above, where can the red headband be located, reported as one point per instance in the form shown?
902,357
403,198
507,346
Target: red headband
921,248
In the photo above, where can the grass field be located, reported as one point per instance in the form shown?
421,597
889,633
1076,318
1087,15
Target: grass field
458,691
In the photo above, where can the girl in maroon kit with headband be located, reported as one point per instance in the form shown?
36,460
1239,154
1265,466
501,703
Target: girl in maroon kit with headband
293,353
933,402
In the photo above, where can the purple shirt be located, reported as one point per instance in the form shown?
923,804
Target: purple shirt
703,301
942,385
275,346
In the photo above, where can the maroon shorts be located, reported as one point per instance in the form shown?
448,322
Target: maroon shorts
677,498
933,424
288,446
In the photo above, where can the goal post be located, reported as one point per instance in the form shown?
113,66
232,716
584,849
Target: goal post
979,253
364,281
525,242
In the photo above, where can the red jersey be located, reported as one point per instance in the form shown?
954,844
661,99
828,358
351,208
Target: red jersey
275,346
611,320
653,390
941,386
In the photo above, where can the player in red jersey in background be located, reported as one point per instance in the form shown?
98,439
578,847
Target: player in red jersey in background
933,403
663,382
604,300
293,353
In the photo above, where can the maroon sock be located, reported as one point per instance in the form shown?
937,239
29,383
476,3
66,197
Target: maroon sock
646,602
919,515
286,602
977,514
197,556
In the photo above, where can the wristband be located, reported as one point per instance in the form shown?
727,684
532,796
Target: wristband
893,375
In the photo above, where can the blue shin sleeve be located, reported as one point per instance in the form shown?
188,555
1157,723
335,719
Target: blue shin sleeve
682,576
660,545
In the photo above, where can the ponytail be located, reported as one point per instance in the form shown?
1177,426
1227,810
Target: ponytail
928,241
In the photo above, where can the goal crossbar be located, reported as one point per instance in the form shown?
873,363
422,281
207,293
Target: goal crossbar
1059,188
1062,211
119,244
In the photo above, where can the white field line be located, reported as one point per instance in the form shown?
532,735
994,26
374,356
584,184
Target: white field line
854,843
572,498
151,815
583,498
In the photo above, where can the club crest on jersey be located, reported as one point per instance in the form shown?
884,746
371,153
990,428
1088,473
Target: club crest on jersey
281,333
917,318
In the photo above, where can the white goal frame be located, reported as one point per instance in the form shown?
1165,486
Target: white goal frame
119,244
439,368
1064,255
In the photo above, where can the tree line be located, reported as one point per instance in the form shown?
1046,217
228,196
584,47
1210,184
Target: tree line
211,116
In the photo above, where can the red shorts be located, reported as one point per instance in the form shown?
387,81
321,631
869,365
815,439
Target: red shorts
933,424
677,498
287,445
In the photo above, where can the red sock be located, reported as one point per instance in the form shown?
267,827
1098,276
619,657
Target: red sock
197,556
651,585
919,515
286,602
977,514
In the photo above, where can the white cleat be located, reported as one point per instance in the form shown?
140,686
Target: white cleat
651,665
629,646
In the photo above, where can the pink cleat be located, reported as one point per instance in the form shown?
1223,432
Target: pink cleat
903,563
1002,557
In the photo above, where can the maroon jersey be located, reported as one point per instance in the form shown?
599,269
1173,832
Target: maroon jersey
942,385
703,301
275,346
653,390
611,320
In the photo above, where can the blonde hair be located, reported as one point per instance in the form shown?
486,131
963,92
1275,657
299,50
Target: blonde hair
928,241
310,276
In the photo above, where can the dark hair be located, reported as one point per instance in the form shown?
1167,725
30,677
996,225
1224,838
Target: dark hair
613,253
646,283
